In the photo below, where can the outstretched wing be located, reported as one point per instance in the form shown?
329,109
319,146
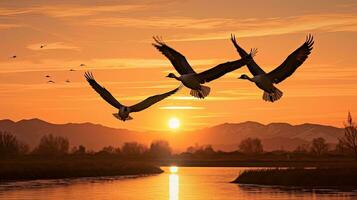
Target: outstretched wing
292,62
104,93
224,68
177,60
252,66
151,100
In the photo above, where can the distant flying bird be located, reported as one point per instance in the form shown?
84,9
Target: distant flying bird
50,81
14,56
72,70
82,65
124,111
48,76
189,77
68,81
266,81
43,45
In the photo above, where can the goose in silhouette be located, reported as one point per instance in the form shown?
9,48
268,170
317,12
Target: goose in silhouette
124,111
43,45
82,65
13,57
189,77
48,76
72,70
68,81
50,81
266,81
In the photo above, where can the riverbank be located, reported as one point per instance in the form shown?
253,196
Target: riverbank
319,177
331,163
55,168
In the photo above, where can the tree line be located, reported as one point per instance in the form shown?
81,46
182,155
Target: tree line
50,145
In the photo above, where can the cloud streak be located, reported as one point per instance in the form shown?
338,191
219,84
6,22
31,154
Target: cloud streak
52,46
9,26
161,22
181,108
279,26
102,64
63,11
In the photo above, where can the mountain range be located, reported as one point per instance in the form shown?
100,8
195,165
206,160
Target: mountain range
274,136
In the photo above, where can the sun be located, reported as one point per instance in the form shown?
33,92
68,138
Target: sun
174,123
173,169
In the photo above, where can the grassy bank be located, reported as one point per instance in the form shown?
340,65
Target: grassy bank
319,177
40,168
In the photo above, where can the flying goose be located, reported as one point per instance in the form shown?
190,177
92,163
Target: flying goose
124,111
189,77
266,81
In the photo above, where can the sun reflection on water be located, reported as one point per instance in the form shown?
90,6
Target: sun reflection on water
173,184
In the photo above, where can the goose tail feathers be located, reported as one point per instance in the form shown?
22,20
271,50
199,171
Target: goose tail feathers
201,93
273,96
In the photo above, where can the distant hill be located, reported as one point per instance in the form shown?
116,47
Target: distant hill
275,136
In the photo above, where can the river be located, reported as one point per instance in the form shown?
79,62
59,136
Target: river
187,183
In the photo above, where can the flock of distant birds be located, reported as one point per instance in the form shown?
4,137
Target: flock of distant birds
67,80
194,81
48,76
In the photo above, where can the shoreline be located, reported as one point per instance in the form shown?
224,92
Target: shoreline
41,169
300,177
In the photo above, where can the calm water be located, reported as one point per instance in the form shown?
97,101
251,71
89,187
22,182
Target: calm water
188,183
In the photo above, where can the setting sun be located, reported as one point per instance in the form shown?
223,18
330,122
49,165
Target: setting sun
174,123
173,169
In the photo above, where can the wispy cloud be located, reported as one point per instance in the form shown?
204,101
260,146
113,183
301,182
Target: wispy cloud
161,22
220,28
11,11
61,11
181,108
210,115
75,11
102,64
52,46
279,26
215,98
9,26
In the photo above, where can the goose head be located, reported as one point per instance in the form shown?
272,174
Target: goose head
171,75
246,77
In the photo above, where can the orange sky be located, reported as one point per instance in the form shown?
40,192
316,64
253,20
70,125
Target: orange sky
113,38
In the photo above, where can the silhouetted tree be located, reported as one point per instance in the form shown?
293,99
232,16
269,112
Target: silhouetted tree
251,146
80,150
110,150
160,149
133,149
206,150
52,145
349,141
192,149
303,148
9,145
319,146
340,148
203,150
